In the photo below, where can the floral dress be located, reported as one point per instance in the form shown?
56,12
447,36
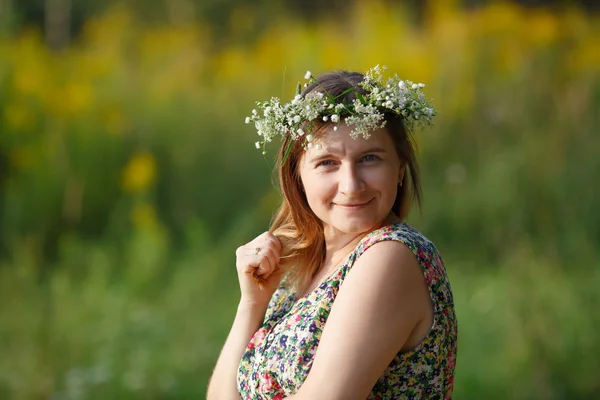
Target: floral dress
280,354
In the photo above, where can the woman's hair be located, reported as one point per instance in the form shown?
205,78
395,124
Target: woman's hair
295,225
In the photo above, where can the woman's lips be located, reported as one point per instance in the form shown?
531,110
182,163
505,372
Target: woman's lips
353,206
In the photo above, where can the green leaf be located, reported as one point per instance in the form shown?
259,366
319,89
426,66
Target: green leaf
345,92
329,95
361,98
287,152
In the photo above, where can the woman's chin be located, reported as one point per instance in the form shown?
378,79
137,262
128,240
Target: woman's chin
355,225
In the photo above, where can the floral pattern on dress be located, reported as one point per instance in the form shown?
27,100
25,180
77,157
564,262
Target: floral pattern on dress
280,354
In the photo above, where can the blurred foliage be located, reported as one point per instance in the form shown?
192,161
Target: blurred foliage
217,13
127,179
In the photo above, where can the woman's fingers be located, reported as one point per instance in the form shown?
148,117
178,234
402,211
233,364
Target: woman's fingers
263,264
267,261
273,257
259,257
271,239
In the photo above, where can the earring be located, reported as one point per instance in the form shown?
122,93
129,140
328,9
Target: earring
400,184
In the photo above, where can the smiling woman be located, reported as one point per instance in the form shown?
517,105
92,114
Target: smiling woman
340,299
351,184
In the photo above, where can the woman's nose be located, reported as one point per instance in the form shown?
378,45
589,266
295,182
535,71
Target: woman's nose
350,180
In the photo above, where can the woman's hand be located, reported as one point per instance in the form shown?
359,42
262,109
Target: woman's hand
258,269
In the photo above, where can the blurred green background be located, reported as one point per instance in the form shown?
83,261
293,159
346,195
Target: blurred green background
128,179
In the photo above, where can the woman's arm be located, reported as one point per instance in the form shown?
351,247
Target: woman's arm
223,383
258,258
383,298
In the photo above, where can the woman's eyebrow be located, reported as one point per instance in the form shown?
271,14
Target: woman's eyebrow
333,154
374,150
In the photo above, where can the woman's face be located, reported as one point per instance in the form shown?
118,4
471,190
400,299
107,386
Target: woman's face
351,184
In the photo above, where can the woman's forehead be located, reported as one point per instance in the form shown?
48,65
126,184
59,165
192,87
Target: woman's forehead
341,141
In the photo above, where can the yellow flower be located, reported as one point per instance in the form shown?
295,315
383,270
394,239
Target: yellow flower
139,173
543,28
585,56
78,97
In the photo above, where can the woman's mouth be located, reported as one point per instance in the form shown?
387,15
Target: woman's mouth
353,206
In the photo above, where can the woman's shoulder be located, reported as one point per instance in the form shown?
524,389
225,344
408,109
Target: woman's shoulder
406,235
401,232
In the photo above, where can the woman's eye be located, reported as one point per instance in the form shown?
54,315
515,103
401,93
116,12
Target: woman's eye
370,157
326,163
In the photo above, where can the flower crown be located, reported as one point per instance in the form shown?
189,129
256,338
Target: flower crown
363,115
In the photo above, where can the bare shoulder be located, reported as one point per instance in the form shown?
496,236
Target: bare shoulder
390,277
390,262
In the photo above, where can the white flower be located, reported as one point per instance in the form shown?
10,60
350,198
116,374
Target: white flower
380,96
318,147
257,144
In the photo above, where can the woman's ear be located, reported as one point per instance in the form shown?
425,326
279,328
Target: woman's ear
401,174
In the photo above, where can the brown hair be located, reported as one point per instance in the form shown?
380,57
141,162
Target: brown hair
295,225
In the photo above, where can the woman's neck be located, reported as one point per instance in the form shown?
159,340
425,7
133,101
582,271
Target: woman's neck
339,244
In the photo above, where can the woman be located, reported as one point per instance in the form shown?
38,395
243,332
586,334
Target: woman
340,299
